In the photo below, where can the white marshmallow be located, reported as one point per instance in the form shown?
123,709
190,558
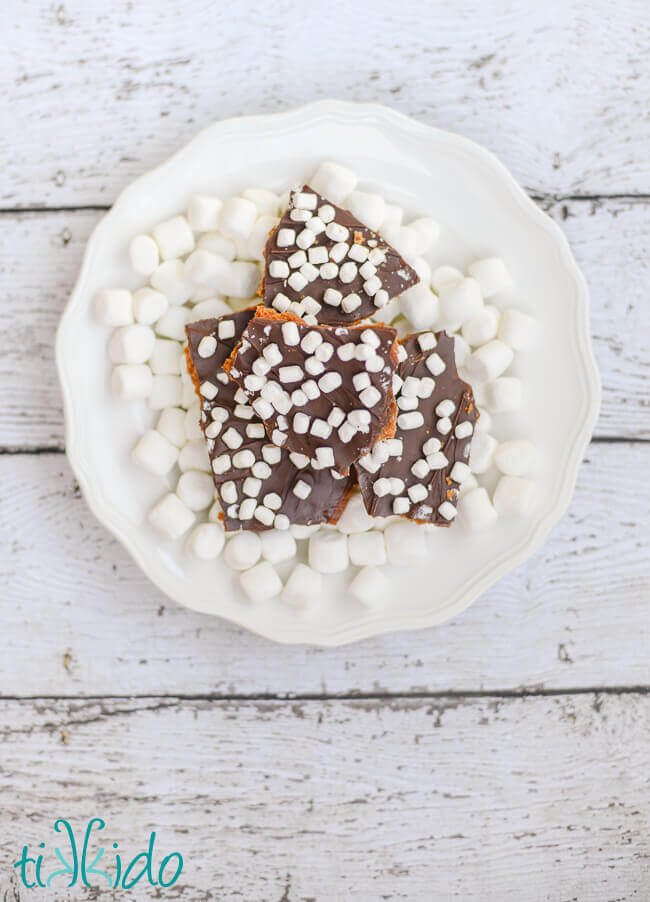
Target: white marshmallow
393,216
149,305
169,278
427,232
468,484
166,391
172,323
114,307
303,586
171,517
205,268
492,275
369,586
405,542
484,422
215,512
504,394
166,357
278,545
328,551
481,328
131,382
333,181
515,457
253,247
237,217
193,422
243,550
482,450
355,518
155,453
420,306
367,548
459,302
189,392
461,350
267,203
217,244
302,531
174,237
242,279
131,344
171,424
368,208
404,239
489,361
475,510
445,277
261,583
517,329
423,269
513,496
206,541
143,254
203,212
194,456
212,307
195,489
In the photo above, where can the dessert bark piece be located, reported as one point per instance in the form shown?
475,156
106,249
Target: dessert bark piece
321,262
416,474
258,484
324,393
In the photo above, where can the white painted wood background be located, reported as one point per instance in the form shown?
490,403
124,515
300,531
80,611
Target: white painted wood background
501,756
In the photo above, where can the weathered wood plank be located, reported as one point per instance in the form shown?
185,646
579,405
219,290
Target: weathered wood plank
538,800
80,619
41,255
126,89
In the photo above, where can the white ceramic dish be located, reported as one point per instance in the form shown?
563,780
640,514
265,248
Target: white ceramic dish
483,211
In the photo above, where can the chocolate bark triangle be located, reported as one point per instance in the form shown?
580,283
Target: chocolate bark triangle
324,265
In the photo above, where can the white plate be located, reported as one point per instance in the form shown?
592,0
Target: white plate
483,211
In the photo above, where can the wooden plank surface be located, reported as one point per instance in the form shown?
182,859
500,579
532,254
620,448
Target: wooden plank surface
542,799
79,618
558,91
40,255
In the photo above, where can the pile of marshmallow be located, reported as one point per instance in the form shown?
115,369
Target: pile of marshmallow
208,262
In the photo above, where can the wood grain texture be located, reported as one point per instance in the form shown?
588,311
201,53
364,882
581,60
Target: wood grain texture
542,800
79,618
41,254
101,94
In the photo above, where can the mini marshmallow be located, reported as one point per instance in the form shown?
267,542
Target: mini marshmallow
491,274
333,181
149,305
171,517
468,484
174,238
131,382
489,361
504,394
169,278
475,510
267,203
515,457
328,551
143,254
393,216
189,392
214,514
482,450
253,247
155,453
131,344
166,391
206,541
194,456
517,330
355,518
459,302
166,357
195,489
193,422
205,268
203,212
237,217
243,550
171,424
405,543
278,545
212,307
423,269
217,244
367,548
369,586
403,239
461,350
368,208
303,531
513,496
261,583
420,306
172,323
242,279
427,232
114,307
303,586
445,277
481,328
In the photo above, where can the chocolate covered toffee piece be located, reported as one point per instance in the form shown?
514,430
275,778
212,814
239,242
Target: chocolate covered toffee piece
259,485
323,393
321,262
416,473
